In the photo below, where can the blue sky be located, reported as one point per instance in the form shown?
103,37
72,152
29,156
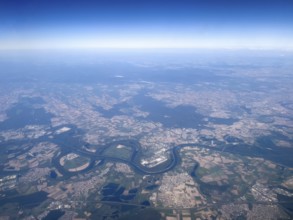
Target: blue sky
42,24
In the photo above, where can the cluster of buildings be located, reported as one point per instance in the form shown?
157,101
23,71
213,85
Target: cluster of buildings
8,182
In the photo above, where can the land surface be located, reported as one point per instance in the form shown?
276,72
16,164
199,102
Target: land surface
185,140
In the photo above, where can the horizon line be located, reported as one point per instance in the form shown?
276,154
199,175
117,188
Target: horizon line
144,48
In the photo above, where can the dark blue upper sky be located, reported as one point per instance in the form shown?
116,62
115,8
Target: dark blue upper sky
141,23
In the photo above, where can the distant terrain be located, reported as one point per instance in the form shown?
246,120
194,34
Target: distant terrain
163,135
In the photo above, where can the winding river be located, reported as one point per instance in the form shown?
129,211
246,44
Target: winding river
134,161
